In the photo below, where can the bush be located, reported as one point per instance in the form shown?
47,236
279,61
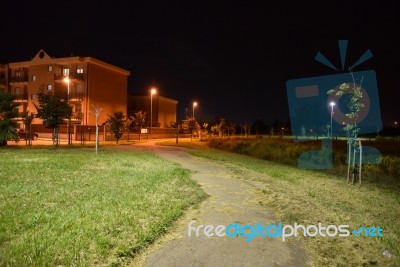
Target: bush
288,152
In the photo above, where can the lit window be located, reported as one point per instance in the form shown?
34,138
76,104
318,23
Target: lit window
66,71
50,68
34,78
17,90
33,97
49,87
79,69
79,88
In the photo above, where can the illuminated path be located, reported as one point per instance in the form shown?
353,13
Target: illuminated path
231,200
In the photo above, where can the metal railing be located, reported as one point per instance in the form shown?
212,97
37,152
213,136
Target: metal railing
20,96
19,79
72,76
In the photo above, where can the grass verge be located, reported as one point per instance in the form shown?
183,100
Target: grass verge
310,197
68,207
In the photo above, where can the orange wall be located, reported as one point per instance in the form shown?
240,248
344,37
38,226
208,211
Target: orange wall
106,89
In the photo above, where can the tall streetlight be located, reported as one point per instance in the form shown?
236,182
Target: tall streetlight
68,81
153,91
194,105
332,104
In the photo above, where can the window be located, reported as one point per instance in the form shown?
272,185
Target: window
66,72
49,87
79,69
16,110
33,78
18,74
79,88
78,108
50,68
33,96
17,90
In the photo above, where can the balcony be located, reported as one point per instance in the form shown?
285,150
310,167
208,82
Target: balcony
19,79
72,76
20,97
77,116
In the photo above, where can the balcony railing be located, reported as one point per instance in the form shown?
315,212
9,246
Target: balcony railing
19,79
77,116
20,96
72,76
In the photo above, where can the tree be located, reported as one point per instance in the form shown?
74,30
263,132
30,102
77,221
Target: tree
354,92
190,124
53,110
28,119
96,113
8,127
138,120
116,124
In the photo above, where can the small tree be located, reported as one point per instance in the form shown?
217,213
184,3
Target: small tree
96,113
53,110
190,124
354,91
28,119
138,120
116,124
8,127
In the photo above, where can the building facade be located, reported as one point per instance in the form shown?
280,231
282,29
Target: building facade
85,82
3,78
164,109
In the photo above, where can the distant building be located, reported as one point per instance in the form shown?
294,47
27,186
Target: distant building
3,78
164,109
91,83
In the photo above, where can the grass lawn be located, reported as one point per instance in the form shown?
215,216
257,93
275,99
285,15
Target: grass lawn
309,197
69,207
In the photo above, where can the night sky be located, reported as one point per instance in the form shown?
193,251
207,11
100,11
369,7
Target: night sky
233,58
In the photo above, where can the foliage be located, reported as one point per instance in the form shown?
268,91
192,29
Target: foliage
8,127
354,106
117,124
52,109
137,121
189,125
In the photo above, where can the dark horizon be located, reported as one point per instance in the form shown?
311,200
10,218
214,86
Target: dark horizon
234,60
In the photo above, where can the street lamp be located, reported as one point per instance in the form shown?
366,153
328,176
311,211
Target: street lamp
68,81
194,105
153,91
332,104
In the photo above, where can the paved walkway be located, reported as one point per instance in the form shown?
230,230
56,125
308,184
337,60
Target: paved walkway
231,200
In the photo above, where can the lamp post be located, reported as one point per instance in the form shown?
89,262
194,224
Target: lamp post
67,80
194,105
153,91
332,104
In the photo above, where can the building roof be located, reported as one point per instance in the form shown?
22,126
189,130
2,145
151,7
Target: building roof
162,98
43,58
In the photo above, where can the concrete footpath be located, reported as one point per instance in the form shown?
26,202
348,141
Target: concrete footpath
231,200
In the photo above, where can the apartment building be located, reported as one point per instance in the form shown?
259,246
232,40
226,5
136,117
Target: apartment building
3,78
85,82
164,109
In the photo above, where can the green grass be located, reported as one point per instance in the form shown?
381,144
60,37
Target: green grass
69,207
309,197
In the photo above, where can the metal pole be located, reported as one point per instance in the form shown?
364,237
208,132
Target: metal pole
331,119
69,119
348,162
360,170
151,112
